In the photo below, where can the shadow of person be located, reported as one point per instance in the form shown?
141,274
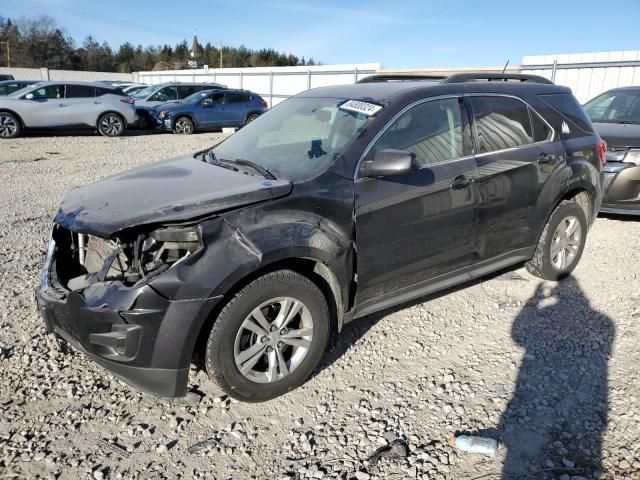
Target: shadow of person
557,415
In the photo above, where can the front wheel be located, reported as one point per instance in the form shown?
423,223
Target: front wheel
9,126
269,337
111,125
561,244
183,126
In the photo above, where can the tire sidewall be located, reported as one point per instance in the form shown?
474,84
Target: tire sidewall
564,210
179,119
251,117
220,347
18,131
122,122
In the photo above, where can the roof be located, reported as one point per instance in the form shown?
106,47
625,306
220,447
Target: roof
383,92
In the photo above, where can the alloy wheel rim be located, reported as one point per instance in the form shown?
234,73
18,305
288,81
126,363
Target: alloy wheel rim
111,125
183,126
8,126
273,340
566,243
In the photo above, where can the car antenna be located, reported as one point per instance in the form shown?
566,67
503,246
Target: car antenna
505,66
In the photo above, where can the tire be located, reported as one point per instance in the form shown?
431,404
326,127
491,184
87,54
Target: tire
183,126
561,243
251,118
111,124
10,126
237,341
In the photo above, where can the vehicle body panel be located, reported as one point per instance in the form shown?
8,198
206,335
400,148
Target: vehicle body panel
382,240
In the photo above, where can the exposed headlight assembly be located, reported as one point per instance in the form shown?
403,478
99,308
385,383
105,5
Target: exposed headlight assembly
165,247
632,156
163,115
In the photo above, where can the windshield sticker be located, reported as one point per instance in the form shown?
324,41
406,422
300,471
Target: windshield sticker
369,109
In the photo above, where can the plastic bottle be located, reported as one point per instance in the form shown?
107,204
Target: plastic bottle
482,445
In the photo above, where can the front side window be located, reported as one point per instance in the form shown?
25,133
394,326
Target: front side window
501,123
79,91
298,139
432,130
212,100
615,107
50,91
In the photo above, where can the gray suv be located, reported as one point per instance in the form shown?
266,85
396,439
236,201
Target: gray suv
154,95
66,104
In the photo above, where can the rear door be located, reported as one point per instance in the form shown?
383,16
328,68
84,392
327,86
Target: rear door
516,152
81,108
414,229
235,109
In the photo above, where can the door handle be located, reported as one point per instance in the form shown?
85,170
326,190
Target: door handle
461,182
62,104
545,158
97,103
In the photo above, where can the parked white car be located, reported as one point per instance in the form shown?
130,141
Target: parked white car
66,105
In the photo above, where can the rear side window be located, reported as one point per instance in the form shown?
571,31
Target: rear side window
234,98
501,123
165,94
79,91
541,130
185,90
432,130
108,91
567,106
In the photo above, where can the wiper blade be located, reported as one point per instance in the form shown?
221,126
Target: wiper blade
257,167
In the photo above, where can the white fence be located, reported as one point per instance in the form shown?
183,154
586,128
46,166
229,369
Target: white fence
587,74
66,75
274,84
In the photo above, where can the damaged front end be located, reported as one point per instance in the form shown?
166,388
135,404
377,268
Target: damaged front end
98,295
83,259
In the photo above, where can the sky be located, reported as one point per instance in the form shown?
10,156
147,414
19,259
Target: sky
397,34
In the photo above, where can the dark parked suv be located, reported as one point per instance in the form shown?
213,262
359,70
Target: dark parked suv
337,203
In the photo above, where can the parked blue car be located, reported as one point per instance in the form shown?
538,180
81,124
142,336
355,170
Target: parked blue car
210,109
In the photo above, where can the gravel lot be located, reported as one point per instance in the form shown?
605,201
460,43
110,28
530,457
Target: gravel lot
549,368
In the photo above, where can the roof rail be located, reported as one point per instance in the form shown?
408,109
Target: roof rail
399,77
495,77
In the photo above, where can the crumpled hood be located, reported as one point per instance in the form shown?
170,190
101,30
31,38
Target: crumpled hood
171,190
619,134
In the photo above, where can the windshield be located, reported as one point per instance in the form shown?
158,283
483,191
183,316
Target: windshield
298,139
144,93
615,107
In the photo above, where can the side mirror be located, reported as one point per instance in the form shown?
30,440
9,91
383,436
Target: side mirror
389,163
29,96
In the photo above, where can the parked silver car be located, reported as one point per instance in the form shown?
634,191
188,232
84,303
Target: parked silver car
66,104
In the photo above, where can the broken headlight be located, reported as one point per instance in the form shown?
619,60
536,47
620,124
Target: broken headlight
165,247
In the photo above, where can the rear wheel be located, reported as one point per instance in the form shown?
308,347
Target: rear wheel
111,125
10,126
561,244
269,337
251,118
183,126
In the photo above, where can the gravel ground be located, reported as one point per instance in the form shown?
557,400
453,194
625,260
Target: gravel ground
551,369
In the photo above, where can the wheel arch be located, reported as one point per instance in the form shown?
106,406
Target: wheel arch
321,274
122,117
15,114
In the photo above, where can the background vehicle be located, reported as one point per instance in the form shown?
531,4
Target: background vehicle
616,117
337,203
154,95
10,86
6,77
210,109
66,104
